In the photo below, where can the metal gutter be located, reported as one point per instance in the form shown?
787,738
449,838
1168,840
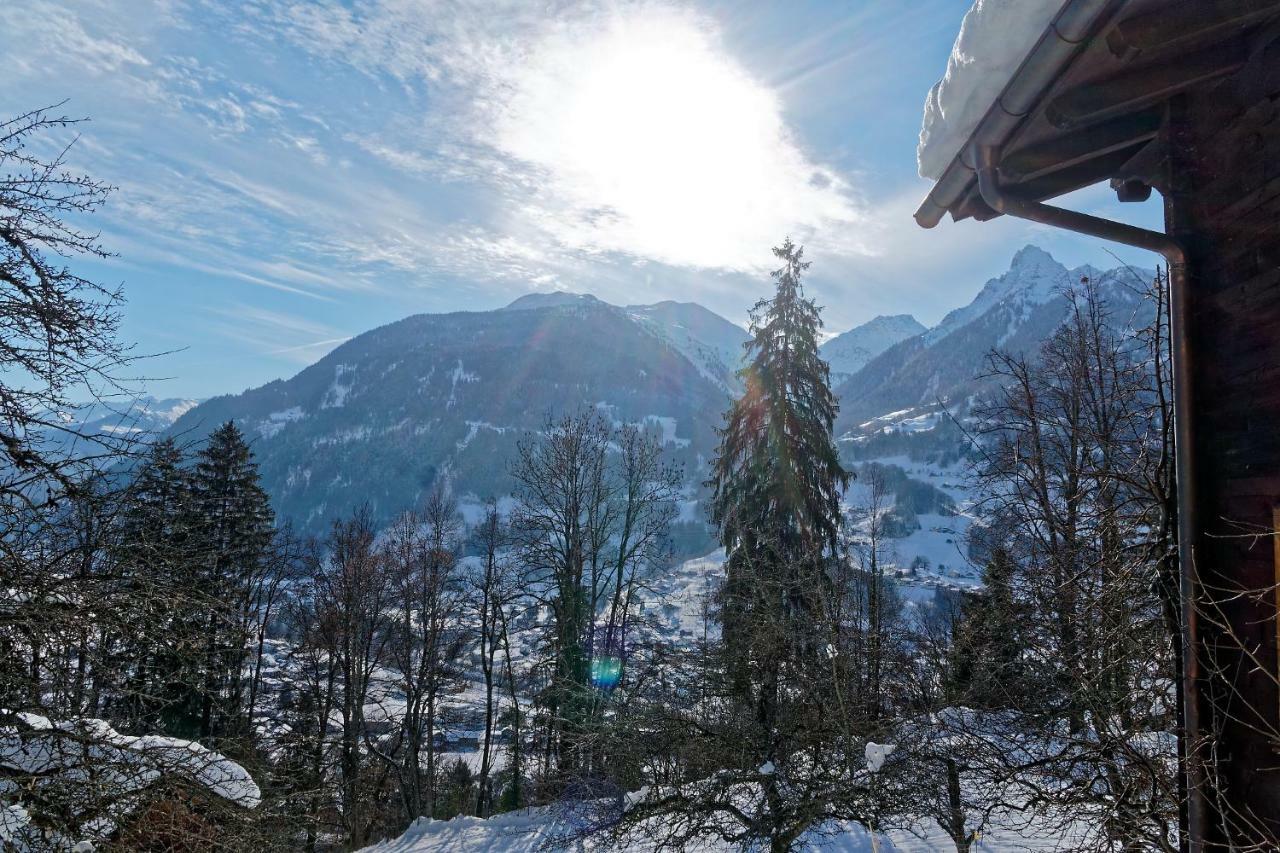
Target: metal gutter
986,159
1071,27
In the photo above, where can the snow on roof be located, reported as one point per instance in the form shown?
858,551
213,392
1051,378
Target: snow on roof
61,756
994,39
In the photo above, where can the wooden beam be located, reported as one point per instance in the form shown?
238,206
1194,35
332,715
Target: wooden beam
1077,176
1136,88
1146,166
1088,143
1183,22
1060,182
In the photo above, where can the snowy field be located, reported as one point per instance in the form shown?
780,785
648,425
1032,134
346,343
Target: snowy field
532,830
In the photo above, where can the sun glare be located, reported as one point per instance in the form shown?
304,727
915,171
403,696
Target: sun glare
658,144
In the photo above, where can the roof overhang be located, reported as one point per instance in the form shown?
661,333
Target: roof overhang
1088,103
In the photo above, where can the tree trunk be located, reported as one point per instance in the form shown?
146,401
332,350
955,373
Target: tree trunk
955,809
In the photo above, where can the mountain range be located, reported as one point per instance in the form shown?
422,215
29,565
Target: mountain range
445,398
1014,312
849,352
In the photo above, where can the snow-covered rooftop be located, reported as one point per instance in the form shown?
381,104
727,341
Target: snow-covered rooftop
994,39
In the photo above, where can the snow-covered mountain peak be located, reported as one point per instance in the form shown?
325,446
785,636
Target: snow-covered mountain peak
712,343
551,299
1031,259
446,398
1034,277
849,352
168,410
895,325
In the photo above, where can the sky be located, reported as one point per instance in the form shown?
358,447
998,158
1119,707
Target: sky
290,173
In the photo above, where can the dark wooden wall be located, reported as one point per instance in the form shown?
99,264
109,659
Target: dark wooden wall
1223,201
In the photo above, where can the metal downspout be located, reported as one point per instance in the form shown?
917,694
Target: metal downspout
987,159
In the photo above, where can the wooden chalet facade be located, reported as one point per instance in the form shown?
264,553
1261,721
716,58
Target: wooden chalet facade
1182,96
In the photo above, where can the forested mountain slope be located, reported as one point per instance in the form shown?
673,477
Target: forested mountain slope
447,397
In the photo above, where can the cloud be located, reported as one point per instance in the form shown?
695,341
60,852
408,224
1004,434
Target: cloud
293,338
499,141
396,145
61,38
647,139
606,128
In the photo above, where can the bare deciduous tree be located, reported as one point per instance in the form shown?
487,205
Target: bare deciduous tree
491,592
1074,485
58,338
424,640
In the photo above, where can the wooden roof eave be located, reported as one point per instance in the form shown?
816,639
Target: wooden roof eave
1081,110
1053,52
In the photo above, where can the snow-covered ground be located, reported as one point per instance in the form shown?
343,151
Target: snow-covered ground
936,554
941,539
531,830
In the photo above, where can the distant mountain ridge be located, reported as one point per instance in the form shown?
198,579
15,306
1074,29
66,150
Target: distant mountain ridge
849,352
1015,312
142,415
550,299
445,398
712,343
1034,278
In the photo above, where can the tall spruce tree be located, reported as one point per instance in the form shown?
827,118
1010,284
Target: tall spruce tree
781,748
233,525
777,481
155,551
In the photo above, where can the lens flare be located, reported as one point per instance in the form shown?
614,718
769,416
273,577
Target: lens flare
606,672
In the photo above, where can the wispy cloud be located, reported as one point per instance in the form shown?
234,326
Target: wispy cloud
609,128
273,333
62,39
372,157
566,135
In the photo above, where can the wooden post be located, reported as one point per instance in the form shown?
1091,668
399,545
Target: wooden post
1275,546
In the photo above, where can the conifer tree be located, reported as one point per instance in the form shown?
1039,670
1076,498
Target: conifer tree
777,482
772,740
233,526
985,667
155,551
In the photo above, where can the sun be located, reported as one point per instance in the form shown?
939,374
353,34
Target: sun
648,138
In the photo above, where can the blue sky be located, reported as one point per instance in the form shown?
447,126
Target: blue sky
292,173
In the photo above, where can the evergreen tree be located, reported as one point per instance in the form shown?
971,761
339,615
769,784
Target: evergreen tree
777,482
985,667
155,554
233,526
762,739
